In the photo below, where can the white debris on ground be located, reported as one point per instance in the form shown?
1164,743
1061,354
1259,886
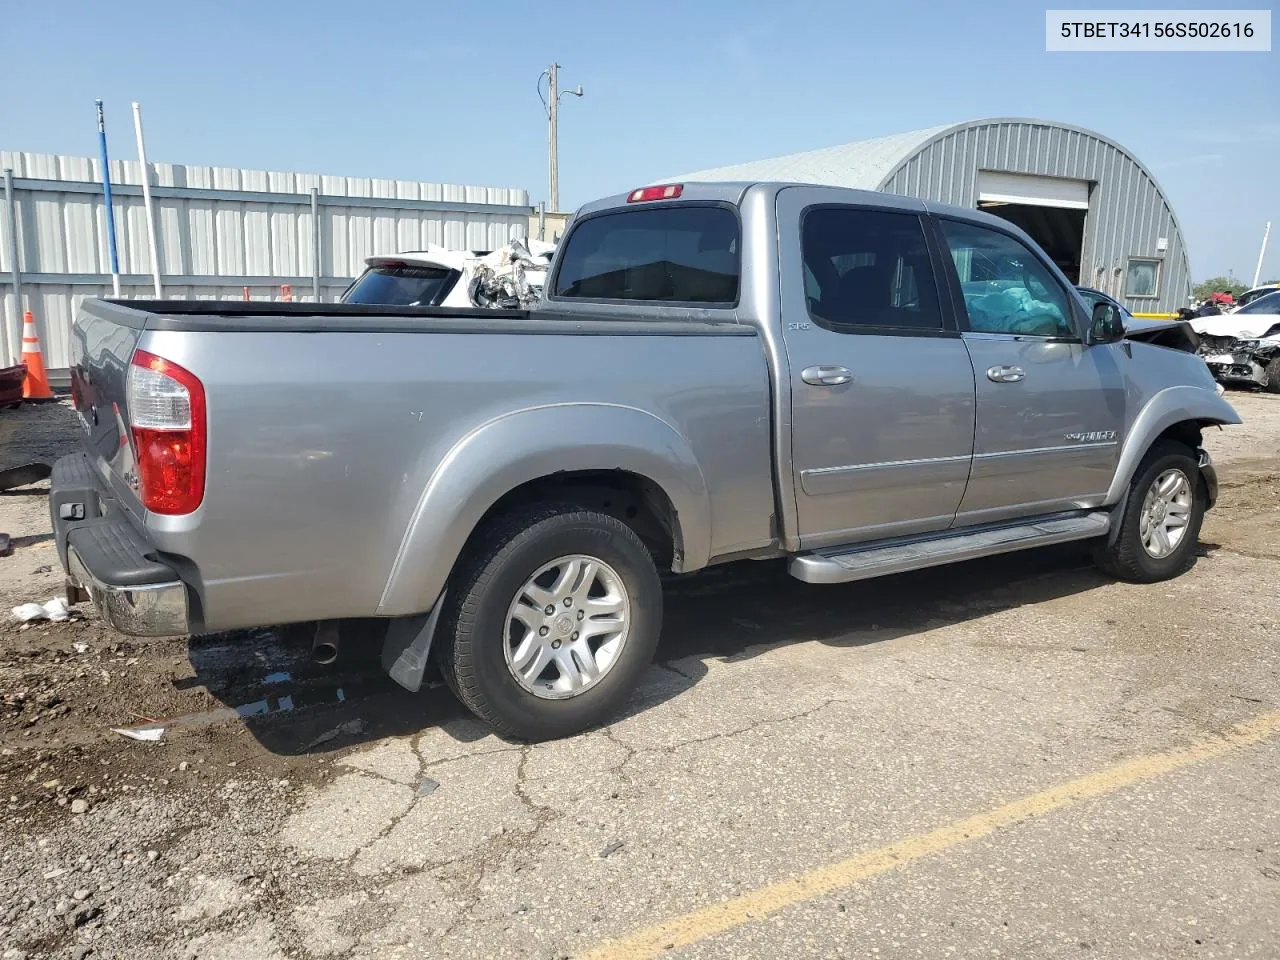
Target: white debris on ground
140,733
54,609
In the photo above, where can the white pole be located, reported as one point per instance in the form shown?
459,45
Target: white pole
146,199
1257,271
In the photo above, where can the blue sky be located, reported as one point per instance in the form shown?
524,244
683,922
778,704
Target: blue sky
445,92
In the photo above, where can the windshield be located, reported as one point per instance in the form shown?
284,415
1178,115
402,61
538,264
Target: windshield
402,284
1268,304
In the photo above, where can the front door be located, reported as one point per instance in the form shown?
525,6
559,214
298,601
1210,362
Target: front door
881,386
1050,407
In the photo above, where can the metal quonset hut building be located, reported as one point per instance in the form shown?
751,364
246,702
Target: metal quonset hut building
1094,208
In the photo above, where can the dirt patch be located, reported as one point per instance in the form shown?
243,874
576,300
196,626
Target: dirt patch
1253,438
37,433
1247,517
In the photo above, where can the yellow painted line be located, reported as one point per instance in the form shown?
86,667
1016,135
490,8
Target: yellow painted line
1156,316
682,931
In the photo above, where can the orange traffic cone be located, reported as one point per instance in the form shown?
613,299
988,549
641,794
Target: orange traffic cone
36,384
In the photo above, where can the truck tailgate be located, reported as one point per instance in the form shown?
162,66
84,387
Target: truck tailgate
103,344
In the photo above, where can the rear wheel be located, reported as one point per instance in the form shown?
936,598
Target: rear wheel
1162,518
554,614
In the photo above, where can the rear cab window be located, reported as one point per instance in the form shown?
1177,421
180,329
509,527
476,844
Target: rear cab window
683,253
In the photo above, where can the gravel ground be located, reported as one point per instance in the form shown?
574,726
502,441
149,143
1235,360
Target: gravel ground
297,811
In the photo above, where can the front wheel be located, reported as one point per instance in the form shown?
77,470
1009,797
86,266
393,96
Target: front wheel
554,614
1272,372
1162,517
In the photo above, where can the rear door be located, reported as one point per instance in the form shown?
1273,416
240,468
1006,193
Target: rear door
1050,408
881,385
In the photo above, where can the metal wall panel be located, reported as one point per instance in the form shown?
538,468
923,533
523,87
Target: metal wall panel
206,231
1128,212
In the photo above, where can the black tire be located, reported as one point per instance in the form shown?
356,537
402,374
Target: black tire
1126,557
494,567
1272,371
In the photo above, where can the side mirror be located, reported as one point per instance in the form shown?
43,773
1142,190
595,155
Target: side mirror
1107,325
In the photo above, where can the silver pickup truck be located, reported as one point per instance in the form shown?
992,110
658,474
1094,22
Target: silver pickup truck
862,383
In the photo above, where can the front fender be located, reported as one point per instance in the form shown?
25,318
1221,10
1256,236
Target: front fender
526,445
1170,406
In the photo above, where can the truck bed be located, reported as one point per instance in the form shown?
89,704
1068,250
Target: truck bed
328,424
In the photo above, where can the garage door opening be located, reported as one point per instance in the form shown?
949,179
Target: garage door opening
1059,232
1051,209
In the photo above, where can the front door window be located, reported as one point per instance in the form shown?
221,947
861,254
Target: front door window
1006,288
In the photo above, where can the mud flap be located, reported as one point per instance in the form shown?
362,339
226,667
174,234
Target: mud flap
1117,520
408,645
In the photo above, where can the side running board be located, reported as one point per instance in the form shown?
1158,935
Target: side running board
859,562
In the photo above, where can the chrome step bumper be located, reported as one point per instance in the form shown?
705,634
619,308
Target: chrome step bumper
142,610
109,560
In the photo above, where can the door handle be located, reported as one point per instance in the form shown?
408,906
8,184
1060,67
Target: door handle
826,375
1004,373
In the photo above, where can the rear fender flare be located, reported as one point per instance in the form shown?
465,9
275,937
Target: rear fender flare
509,451
1170,406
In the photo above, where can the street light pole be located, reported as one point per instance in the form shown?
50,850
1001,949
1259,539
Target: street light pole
1257,271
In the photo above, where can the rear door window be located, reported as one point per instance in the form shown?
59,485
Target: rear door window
677,254
868,269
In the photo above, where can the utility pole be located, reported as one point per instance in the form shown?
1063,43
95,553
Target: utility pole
554,93
553,85
1257,271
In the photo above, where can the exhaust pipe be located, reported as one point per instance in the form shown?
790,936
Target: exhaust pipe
324,648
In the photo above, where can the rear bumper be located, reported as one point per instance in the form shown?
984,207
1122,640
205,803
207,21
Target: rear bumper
110,561
1210,475
149,610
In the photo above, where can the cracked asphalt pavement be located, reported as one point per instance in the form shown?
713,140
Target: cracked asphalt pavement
1008,758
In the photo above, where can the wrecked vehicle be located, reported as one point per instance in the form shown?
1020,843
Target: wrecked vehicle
508,278
1243,347
1255,293
858,383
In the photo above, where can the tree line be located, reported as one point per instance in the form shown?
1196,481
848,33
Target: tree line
1222,285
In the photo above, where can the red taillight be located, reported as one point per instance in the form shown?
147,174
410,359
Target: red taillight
167,417
667,191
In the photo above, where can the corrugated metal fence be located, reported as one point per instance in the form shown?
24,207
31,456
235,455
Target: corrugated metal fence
219,230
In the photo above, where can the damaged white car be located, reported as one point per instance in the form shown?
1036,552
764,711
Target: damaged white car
1244,347
509,278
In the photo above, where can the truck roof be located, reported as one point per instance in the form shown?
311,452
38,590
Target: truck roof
735,192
